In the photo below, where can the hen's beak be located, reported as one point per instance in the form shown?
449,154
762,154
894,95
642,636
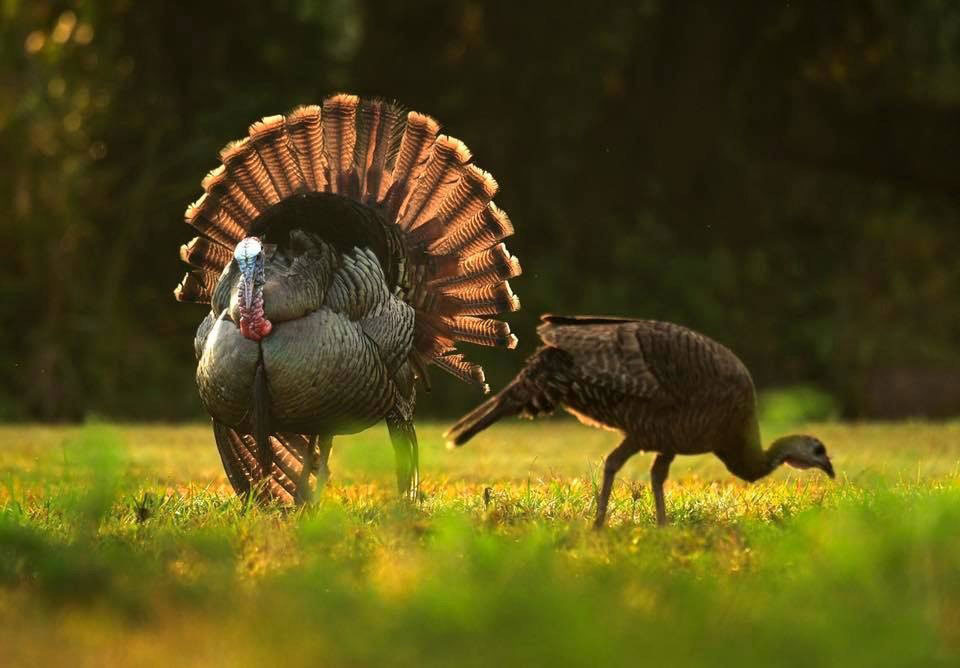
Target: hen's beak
827,467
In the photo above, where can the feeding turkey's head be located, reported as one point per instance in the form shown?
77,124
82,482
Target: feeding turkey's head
250,260
803,452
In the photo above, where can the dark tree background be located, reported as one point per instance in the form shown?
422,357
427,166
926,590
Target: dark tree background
781,175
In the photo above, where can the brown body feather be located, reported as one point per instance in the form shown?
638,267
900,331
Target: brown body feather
668,389
637,377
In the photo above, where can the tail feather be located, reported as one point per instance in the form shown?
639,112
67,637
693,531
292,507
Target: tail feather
440,176
379,131
488,267
339,139
222,189
506,403
432,335
246,168
207,217
269,139
487,300
421,237
306,135
487,228
238,452
459,367
385,156
243,448
202,253
286,458
369,124
232,159
480,331
473,191
418,136
196,286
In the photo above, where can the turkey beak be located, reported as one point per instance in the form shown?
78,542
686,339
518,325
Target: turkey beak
827,467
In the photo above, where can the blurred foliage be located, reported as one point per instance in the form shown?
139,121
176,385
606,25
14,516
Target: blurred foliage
778,175
782,409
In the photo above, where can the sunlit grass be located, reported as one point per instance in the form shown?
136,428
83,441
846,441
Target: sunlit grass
124,545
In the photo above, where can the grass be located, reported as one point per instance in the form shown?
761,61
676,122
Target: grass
122,544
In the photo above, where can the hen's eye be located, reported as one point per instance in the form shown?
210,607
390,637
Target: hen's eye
819,450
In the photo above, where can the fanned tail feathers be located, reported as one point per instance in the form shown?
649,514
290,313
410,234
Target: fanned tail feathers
374,152
459,367
381,129
339,139
419,135
306,135
276,152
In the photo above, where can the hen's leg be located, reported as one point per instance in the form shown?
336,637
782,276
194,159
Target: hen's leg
404,438
658,475
614,462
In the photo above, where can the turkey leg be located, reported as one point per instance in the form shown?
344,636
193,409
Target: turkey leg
611,466
323,461
658,475
309,461
404,438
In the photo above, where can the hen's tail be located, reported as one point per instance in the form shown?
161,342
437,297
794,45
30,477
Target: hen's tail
533,392
505,403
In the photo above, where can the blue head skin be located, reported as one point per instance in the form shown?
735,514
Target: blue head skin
250,260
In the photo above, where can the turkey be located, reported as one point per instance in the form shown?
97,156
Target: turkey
669,390
342,249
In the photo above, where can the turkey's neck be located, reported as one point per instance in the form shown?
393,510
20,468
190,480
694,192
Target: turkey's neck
759,462
253,323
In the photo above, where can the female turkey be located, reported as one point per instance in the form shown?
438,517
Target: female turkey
670,390
343,249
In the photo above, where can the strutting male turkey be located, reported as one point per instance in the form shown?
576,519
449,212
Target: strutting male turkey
343,249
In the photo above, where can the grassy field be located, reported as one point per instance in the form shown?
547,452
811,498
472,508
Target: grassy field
123,545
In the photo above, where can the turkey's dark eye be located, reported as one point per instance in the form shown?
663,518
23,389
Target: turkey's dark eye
819,450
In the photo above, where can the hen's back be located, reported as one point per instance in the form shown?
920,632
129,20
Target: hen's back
644,375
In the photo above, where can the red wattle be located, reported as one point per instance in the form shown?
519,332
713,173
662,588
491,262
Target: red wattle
255,328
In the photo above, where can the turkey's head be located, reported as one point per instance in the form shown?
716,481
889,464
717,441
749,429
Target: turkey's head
250,260
802,452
